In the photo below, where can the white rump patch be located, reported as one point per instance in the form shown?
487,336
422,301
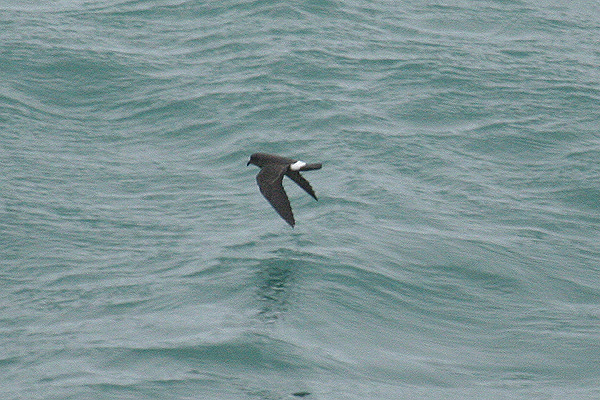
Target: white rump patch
297,165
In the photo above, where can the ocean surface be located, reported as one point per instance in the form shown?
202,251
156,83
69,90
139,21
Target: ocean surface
454,251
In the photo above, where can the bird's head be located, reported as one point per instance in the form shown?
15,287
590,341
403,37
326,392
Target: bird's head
257,159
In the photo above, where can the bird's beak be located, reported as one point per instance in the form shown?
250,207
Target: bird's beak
248,163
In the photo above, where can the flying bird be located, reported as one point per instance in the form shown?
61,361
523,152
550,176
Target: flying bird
272,170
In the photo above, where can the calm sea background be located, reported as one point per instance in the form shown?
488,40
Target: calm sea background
454,252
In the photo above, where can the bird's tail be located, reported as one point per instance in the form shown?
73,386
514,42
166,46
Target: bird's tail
308,167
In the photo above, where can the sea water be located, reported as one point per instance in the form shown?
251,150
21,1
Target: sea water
453,252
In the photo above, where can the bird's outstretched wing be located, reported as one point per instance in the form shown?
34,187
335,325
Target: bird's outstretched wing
269,182
302,182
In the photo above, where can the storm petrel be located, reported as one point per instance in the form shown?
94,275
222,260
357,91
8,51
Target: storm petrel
272,170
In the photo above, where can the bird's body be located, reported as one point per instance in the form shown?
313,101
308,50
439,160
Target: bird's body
269,179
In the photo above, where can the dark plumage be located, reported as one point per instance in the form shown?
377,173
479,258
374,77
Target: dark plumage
269,179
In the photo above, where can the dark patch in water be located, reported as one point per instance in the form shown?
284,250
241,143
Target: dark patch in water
301,394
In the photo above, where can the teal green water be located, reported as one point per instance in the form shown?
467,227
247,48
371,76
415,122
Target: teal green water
454,250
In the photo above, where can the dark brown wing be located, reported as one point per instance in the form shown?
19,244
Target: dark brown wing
269,182
302,182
